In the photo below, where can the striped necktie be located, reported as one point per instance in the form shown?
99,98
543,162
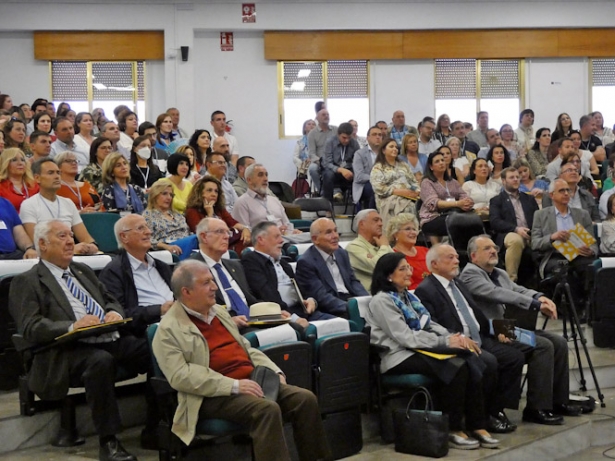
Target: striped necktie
91,306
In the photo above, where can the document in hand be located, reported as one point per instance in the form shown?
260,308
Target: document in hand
578,237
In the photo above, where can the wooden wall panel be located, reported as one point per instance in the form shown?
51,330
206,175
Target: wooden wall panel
433,44
99,46
294,46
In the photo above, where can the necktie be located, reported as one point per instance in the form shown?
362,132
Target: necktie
237,303
91,306
463,308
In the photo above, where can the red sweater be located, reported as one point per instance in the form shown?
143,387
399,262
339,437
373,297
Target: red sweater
226,355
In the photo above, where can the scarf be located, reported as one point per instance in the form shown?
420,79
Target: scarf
120,198
412,309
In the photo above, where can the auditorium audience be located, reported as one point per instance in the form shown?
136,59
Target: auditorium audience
402,231
143,171
604,134
16,180
537,155
178,166
92,173
193,172
410,154
480,187
81,193
525,131
443,129
607,240
119,194
84,126
563,127
362,164
200,141
42,122
301,154
507,134
164,132
498,159
15,136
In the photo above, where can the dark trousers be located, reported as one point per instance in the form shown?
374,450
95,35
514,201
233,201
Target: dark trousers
459,398
331,180
547,371
93,366
368,199
436,226
507,392
265,421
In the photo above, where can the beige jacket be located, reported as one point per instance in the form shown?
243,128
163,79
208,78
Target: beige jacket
183,356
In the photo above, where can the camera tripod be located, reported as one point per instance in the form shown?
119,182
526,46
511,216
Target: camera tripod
562,296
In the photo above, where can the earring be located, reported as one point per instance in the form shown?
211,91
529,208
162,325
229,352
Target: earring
390,280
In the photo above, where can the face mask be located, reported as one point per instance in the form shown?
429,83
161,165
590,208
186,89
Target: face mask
145,153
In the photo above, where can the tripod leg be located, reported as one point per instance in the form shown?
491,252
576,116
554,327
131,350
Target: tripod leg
577,324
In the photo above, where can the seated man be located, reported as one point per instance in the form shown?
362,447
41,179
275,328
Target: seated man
324,271
212,376
270,276
547,372
368,247
362,163
452,306
216,166
61,296
47,205
336,164
511,214
553,223
240,185
14,241
256,205
140,283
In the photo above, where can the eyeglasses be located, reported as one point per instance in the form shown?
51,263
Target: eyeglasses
569,170
72,161
218,162
141,229
564,191
221,232
491,247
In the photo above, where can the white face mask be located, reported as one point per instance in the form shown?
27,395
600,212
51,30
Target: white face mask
145,153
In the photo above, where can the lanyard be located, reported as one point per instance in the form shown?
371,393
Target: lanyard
145,176
76,194
25,189
49,209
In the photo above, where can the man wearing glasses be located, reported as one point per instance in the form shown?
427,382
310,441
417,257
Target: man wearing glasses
65,133
216,166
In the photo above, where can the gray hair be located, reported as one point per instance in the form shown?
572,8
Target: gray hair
103,129
250,170
314,227
473,246
261,229
41,232
362,216
61,158
552,185
118,228
183,276
584,119
433,255
396,223
203,226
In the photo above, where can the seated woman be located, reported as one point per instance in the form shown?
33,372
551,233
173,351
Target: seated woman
188,151
402,232
206,200
537,156
169,229
530,185
200,141
15,136
515,149
604,133
498,159
92,173
164,132
42,122
410,155
119,195
84,125
82,194
563,127
443,129
480,187
589,161
440,195
607,241
301,156
458,164
401,324
16,181
395,187
143,171
178,167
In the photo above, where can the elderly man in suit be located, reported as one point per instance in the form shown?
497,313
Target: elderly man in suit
511,214
362,164
553,224
452,306
202,354
56,297
324,270
271,278
547,391
336,164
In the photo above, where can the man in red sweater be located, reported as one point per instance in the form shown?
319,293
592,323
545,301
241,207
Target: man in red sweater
212,374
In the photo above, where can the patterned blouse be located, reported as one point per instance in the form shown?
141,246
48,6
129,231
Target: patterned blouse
163,229
92,173
538,162
108,199
386,178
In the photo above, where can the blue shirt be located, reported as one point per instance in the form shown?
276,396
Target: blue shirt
8,220
564,221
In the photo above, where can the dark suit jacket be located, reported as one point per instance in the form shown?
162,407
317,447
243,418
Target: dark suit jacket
435,298
42,312
502,214
236,270
263,281
315,280
118,279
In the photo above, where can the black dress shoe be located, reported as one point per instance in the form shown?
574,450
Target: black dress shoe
566,409
499,424
114,451
542,417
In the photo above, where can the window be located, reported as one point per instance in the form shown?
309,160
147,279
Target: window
88,85
602,80
343,85
467,86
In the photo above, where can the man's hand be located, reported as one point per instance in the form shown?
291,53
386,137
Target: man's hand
310,305
346,173
523,232
112,316
240,320
165,307
562,236
382,240
547,307
30,254
86,321
585,251
85,249
503,339
247,386
282,378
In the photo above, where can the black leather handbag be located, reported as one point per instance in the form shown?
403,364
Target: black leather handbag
268,380
421,432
